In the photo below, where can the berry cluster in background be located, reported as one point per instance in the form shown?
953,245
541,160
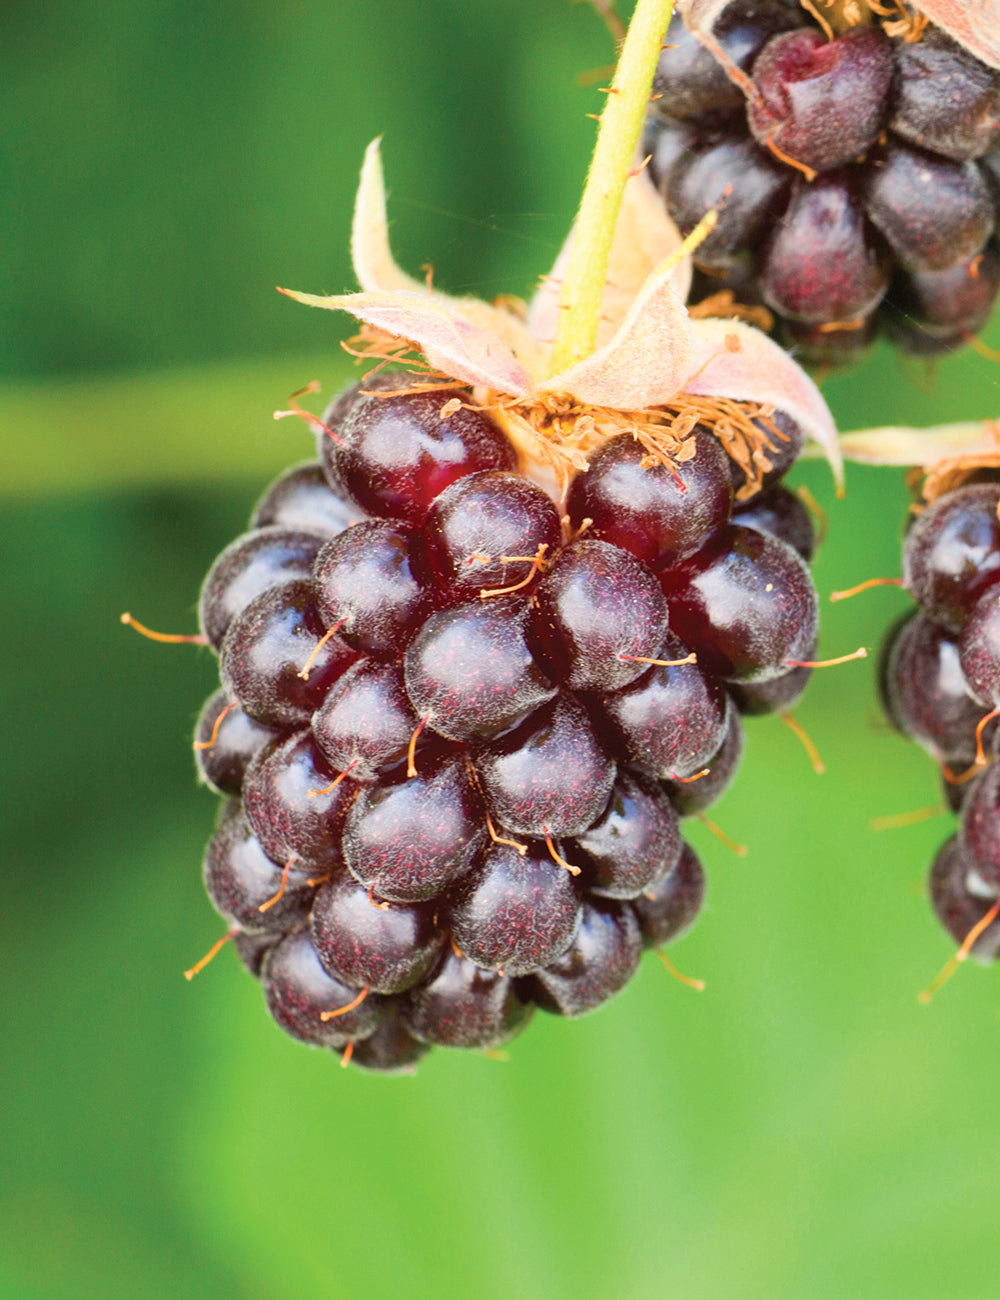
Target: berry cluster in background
940,684
857,178
457,731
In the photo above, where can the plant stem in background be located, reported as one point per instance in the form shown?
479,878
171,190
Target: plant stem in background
617,137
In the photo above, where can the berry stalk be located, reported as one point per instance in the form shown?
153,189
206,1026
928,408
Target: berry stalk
617,137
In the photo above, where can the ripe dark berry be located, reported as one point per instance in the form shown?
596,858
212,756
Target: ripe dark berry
889,151
367,582
302,499
598,964
670,907
749,610
708,786
945,99
515,912
671,720
782,514
598,613
979,648
398,453
695,84
660,514
635,841
387,947
459,746
293,805
952,553
225,741
410,838
702,179
958,906
266,650
471,672
298,991
477,523
825,262
465,1006
980,828
932,211
248,567
928,693
550,774
366,722
241,880
821,102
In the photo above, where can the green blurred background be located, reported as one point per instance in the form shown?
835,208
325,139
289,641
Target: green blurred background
803,1128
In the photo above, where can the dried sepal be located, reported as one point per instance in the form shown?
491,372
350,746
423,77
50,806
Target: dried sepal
945,454
450,341
733,360
647,359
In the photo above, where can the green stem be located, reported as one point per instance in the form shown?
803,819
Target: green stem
621,123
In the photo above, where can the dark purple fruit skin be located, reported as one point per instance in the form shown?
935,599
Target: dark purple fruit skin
979,831
821,102
945,305
823,349
368,577
671,720
636,840
933,212
598,964
658,517
240,878
302,499
695,796
389,949
398,454
514,912
749,611
694,85
670,907
952,553
979,648
462,1005
756,699
784,441
410,839
927,694
488,515
665,142
956,906
330,436
298,990
222,766
277,803
597,604
266,648
252,949
703,179
824,263
247,567
470,669
549,774
366,721
782,514
391,1049
944,99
